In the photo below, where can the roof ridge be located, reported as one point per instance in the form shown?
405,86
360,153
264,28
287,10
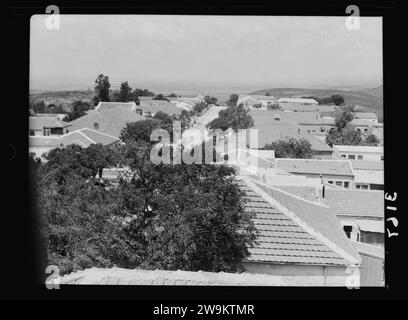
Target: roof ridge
45,137
293,195
81,133
103,133
295,218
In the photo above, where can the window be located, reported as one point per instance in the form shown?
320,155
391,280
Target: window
382,158
360,157
359,130
364,187
346,184
31,133
331,182
351,156
343,156
47,131
358,186
347,230
339,183
365,130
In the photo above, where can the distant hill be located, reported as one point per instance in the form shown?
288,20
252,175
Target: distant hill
367,99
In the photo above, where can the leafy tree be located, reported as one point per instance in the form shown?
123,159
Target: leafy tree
337,99
160,97
371,140
79,109
124,94
210,100
83,162
233,117
344,115
346,136
140,130
82,224
193,216
102,86
188,217
233,99
291,148
143,93
199,108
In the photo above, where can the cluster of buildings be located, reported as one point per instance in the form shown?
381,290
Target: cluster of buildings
320,221
316,119
100,125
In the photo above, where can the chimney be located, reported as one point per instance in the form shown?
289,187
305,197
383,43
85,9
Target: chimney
277,117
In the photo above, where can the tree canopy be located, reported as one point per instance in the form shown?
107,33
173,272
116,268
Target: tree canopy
78,110
102,86
124,94
291,148
233,117
188,217
232,101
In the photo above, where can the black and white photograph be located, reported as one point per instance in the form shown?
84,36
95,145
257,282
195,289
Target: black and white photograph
197,150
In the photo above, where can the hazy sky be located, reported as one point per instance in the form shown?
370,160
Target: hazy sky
282,51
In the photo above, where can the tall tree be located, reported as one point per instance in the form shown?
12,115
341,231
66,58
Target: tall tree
78,110
124,94
233,99
337,99
344,115
102,86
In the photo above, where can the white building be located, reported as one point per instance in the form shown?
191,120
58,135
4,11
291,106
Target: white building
256,101
370,153
301,101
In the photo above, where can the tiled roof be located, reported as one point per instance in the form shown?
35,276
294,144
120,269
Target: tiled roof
297,100
315,166
362,149
365,115
85,137
154,106
109,121
366,203
123,115
308,193
268,133
295,231
38,123
254,98
308,108
367,165
120,276
103,106
44,141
